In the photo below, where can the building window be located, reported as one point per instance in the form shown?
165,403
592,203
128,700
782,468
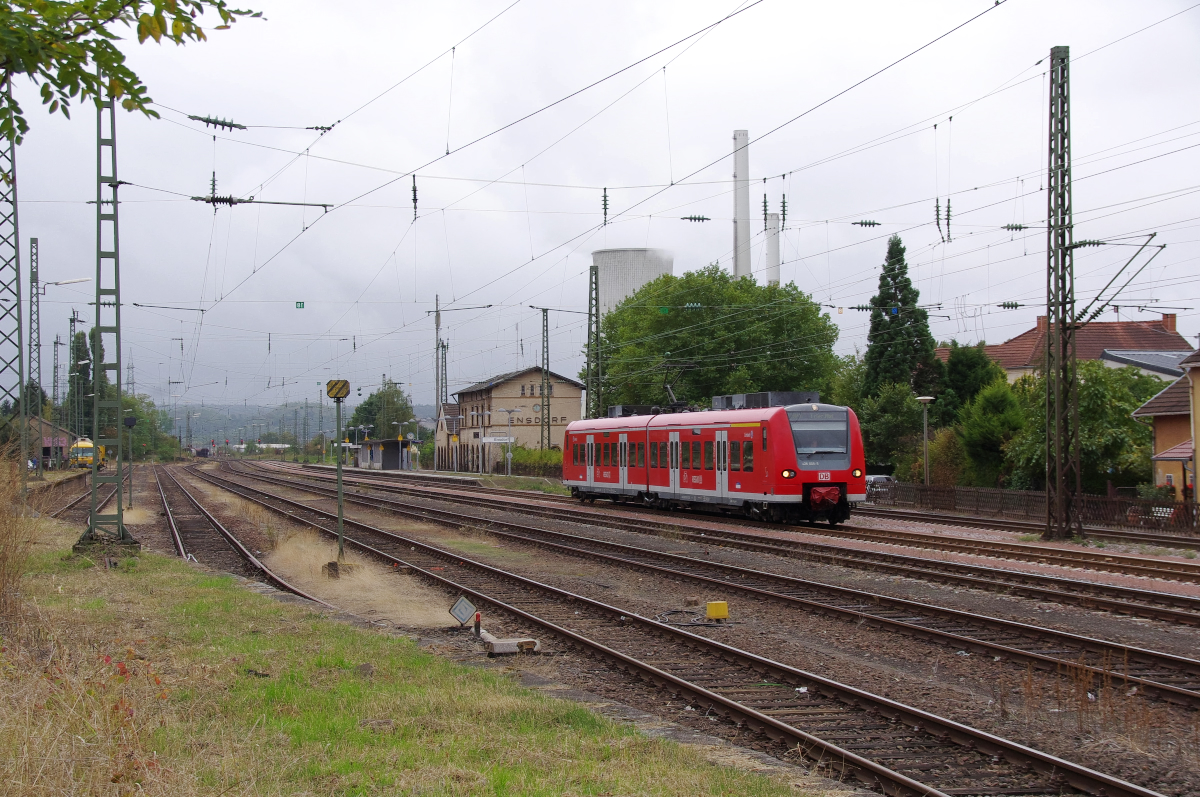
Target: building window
522,390
552,389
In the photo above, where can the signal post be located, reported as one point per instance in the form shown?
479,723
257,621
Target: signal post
338,389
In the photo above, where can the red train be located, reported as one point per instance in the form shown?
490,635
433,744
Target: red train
802,462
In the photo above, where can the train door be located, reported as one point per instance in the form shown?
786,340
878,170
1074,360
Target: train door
624,461
722,463
674,451
590,453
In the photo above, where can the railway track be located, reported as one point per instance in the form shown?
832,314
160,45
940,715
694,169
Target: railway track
1172,678
999,524
845,732
75,505
1176,570
1030,527
200,537
1137,602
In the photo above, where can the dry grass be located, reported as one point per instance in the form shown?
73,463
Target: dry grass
154,678
17,529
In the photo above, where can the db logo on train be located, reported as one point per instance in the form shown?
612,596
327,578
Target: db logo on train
823,476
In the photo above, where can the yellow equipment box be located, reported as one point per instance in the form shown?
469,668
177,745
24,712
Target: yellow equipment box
718,610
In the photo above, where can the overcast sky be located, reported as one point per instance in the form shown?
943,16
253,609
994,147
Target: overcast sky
511,221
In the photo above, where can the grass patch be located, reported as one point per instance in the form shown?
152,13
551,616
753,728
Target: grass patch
534,483
1029,537
156,678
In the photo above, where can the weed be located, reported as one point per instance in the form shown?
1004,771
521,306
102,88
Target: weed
1029,538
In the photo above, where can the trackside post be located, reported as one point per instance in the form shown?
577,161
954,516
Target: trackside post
338,389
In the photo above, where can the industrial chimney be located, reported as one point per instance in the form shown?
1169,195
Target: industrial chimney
741,203
772,248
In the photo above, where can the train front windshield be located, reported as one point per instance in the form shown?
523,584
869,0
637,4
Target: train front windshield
822,438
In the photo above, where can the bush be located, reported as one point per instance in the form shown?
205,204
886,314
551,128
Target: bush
533,462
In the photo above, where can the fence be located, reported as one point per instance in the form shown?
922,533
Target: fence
1167,517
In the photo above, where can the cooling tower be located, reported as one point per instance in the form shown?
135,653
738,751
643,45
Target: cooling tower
622,271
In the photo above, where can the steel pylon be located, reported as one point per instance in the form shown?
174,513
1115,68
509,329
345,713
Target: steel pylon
35,351
545,397
107,528
1063,476
12,361
593,344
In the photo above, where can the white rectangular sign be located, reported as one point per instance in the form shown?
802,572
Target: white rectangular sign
499,439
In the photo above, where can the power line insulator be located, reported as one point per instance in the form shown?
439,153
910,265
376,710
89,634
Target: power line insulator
220,124
1014,227
695,218
1009,305
865,223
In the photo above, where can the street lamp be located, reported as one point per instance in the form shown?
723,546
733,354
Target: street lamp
508,456
925,417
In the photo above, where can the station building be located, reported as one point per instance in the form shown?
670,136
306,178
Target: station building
471,430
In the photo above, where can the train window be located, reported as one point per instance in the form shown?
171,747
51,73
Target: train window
696,455
687,457
674,454
735,455
604,455
641,455
708,455
575,453
624,456
664,460
654,455
764,438
748,456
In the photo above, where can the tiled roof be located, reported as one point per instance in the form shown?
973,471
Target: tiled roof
1027,350
1178,453
1162,362
506,377
1171,400
1192,359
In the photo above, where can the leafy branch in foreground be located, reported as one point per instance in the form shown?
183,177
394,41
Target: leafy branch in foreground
68,47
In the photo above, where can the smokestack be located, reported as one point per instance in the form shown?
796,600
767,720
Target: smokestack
772,248
741,204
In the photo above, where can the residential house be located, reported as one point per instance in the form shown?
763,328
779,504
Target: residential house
1153,346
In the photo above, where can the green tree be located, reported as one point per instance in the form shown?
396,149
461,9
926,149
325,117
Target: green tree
714,334
1113,446
846,384
948,462
891,427
900,348
987,423
385,411
66,46
81,386
151,437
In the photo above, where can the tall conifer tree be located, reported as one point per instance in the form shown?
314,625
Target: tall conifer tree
900,348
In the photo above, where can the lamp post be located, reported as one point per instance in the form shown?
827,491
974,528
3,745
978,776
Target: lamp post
925,419
508,455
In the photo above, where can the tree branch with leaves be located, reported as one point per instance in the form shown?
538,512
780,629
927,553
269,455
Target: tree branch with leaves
70,50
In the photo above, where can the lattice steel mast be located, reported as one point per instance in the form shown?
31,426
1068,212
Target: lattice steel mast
12,361
1063,476
107,527
35,351
545,397
592,376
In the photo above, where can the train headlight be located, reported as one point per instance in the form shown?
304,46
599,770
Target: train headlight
788,474
856,473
